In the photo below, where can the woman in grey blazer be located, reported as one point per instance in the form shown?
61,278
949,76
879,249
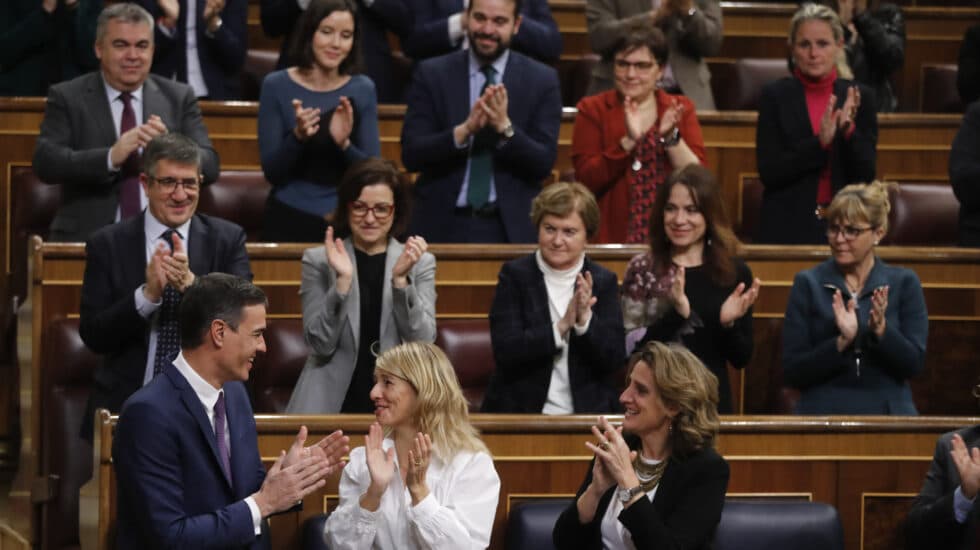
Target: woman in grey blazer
362,294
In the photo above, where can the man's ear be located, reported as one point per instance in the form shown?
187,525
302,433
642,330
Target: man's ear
217,332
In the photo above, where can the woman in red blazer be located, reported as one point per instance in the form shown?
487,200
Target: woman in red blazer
627,141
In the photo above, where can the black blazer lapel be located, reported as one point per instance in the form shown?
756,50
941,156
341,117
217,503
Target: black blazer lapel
201,247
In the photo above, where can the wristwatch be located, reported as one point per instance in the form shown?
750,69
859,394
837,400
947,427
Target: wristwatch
671,139
626,495
508,131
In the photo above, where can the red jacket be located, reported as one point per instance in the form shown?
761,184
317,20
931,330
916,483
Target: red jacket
601,163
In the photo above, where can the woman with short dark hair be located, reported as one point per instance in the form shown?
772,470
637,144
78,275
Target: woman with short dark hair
362,294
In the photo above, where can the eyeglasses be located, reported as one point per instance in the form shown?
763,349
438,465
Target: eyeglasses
381,210
641,66
849,231
170,184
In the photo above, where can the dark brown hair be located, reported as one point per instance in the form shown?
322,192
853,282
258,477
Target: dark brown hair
301,45
720,242
372,171
639,35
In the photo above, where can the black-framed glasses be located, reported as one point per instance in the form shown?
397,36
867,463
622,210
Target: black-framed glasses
381,210
170,184
849,231
641,66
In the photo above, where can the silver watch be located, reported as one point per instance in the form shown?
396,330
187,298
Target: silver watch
508,131
626,495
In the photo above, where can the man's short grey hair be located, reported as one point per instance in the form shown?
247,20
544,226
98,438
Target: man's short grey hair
126,12
171,146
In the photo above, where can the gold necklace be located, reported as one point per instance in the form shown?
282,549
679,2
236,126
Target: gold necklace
648,474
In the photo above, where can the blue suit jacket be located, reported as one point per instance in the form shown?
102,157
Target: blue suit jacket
829,381
524,344
222,56
171,488
109,324
538,36
438,100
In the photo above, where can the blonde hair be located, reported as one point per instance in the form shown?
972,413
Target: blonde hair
442,412
863,202
561,199
817,12
683,383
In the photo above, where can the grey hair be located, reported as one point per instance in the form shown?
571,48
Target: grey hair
127,12
170,146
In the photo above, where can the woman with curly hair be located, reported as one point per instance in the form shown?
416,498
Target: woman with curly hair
656,481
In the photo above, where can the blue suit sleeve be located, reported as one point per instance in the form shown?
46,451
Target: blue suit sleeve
531,153
427,134
902,349
231,39
806,362
429,34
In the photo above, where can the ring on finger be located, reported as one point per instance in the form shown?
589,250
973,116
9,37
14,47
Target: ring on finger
604,445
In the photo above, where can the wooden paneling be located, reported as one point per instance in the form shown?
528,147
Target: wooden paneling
867,467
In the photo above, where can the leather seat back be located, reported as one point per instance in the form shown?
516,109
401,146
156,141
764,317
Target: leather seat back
467,343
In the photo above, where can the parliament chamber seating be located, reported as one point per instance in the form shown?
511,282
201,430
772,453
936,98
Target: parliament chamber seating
922,213
737,85
258,63
66,459
745,525
238,196
574,76
939,92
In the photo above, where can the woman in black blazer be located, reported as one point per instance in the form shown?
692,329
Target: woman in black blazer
662,485
816,132
555,323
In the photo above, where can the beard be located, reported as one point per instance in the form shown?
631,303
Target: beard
486,56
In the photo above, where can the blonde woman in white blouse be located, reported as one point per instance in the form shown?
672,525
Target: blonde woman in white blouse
423,479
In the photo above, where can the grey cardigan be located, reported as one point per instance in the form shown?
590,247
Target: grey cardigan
331,324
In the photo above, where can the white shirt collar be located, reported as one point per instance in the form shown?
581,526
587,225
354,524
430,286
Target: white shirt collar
153,229
206,393
113,94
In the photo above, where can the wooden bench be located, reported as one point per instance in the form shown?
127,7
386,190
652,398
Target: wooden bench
869,468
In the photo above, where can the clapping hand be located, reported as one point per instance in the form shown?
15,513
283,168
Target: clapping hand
967,465
307,121
670,118
415,247
418,464
638,120
614,453
846,318
339,260
381,467
342,123
738,303
331,449
845,115
494,104
677,295
879,305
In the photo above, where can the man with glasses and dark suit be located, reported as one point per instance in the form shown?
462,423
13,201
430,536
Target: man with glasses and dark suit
137,270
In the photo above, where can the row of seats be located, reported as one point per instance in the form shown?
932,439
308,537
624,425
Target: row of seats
736,85
745,525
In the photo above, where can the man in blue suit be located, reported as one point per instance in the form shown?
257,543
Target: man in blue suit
186,455
482,128
441,25
204,47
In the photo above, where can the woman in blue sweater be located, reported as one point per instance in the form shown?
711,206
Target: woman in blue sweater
315,120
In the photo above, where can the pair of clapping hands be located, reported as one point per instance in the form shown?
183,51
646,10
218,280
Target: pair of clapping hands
341,262
845,315
489,110
381,467
732,309
341,122
168,266
836,120
300,471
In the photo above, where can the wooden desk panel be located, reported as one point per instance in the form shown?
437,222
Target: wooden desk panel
867,467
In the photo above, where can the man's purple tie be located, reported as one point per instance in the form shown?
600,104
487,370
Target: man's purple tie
219,434
129,172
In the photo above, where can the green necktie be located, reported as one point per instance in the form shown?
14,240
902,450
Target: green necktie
481,155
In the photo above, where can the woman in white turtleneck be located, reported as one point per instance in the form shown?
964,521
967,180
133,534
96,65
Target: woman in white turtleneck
555,322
